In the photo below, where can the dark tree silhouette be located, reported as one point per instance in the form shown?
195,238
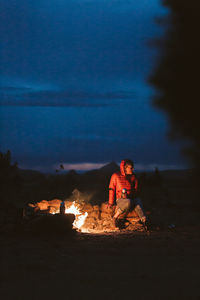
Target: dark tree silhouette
5,164
9,180
176,76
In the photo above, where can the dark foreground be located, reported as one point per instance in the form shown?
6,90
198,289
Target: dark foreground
162,265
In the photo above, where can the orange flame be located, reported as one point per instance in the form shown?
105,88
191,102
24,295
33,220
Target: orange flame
80,217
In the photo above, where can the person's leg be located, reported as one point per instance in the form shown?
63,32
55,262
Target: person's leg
123,205
139,209
118,212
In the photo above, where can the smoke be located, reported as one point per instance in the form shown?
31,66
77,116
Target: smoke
80,197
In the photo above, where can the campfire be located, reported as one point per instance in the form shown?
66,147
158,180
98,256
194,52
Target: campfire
79,216
88,218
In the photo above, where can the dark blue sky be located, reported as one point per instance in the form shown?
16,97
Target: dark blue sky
73,84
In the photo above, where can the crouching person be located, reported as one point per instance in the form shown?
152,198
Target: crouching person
123,185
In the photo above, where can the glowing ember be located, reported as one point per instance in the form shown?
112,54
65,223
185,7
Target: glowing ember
80,217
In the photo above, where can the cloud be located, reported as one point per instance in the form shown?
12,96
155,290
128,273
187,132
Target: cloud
91,138
80,166
14,96
87,166
13,89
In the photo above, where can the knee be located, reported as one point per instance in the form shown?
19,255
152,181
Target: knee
128,204
124,204
138,202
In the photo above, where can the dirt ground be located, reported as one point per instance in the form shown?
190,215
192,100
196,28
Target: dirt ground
120,265
163,264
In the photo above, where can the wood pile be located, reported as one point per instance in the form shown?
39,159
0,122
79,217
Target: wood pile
99,219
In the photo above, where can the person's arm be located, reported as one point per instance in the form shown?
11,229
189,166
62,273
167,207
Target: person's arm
112,190
136,184
136,188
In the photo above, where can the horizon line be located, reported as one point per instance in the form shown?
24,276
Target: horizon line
89,166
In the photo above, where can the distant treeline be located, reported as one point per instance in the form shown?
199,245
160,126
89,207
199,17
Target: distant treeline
19,187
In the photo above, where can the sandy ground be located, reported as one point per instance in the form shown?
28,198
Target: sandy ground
161,265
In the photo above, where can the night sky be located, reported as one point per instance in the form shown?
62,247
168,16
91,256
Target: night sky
73,84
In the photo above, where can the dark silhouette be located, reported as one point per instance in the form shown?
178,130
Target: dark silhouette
62,167
9,179
157,178
176,76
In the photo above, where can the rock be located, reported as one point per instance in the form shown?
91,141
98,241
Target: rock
96,208
105,216
90,220
53,210
106,209
87,208
132,213
133,220
107,223
42,205
99,227
100,222
94,214
45,205
135,227
89,225
55,203
51,224
99,218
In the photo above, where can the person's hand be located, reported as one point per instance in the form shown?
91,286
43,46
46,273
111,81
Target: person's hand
109,205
